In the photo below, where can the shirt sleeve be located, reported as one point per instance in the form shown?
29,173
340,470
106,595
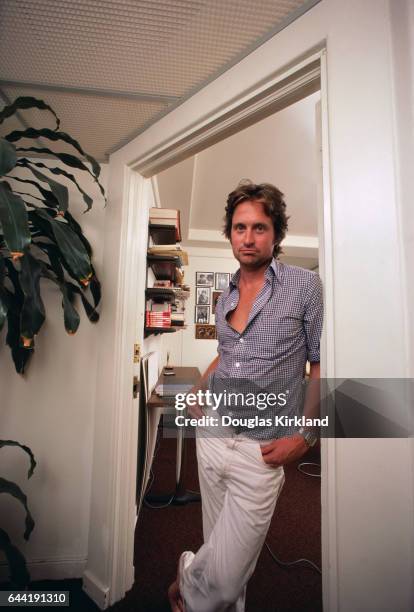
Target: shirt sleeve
313,318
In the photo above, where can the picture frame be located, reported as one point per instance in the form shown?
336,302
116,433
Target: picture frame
204,279
202,314
222,280
216,295
203,296
205,332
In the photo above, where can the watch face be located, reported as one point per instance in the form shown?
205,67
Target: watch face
309,437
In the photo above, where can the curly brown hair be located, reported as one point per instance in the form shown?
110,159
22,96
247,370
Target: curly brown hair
274,207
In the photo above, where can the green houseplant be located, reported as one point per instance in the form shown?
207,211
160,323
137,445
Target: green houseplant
39,238
19,576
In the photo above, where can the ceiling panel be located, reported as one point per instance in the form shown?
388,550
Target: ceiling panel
146,50
99,123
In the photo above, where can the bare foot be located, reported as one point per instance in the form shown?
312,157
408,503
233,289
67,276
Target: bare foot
175,599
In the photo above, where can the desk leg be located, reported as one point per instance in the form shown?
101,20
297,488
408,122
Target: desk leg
180,496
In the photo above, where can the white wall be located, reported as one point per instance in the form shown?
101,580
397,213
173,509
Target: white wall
51,410
279,149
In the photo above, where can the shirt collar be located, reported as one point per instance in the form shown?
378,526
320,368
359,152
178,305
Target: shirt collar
273,271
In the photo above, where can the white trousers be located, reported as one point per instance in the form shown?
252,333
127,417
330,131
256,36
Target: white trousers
239,493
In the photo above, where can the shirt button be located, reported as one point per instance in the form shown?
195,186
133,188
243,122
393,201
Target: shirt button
232,303
237,364
241,340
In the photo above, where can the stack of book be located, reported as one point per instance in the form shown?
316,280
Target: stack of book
158,314
163,283
166,217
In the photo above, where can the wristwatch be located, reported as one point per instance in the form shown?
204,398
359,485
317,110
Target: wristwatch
309,437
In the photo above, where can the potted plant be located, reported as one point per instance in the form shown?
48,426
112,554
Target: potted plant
39,238
19,576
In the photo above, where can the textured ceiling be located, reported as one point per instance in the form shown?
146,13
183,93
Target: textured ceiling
110,68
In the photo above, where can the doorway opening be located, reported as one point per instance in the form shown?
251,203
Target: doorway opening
194,160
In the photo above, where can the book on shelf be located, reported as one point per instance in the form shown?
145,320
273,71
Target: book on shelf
163,284
164,213
166,217
173,248
153,306
177,322
157,319
169,250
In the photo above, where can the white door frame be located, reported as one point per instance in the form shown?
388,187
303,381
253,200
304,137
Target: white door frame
268,97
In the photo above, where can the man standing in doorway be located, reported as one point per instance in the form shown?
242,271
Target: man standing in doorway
269,323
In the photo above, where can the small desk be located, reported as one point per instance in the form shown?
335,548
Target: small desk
158,405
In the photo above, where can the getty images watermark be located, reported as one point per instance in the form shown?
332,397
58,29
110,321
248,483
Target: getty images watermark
225,399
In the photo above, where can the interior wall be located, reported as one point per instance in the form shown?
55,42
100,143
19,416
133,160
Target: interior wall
279,149
50,409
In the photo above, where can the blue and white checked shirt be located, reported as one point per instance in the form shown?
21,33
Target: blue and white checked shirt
282,332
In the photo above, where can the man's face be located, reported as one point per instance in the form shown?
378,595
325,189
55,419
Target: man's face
252,235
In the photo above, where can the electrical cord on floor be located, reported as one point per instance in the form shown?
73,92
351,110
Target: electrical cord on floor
288,563
152,478
158,506
302,471
305,561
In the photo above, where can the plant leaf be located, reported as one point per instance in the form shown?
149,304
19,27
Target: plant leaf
7,486
4,302
19,576
53,254
4,307
91,313
14,221
26,450
55,137
78,230
23,103
48,196
32,315
8,157
95,288
70,314
71,247
20,355
59,171
59,191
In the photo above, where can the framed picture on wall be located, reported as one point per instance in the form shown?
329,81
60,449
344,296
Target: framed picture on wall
203,296
204,279
222,280
205,332
202,314
216,295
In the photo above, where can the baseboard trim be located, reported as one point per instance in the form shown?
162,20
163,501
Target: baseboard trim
95,590
50,569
